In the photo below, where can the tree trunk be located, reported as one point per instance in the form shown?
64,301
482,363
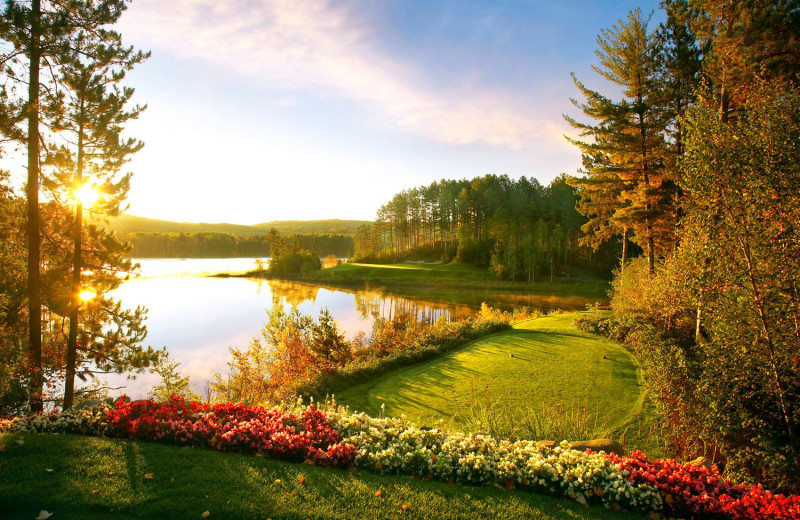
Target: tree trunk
624,250
72,338
33,231
698,324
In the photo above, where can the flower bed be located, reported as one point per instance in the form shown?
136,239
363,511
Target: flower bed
225,427
340,438
398,446
699,492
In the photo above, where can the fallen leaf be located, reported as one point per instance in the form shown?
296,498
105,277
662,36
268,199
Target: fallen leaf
263,470
205,514
20,442
301,480
110,473
43,515
378,493
95,491
148,476
49,470
2,447
277,481
404,507
171,480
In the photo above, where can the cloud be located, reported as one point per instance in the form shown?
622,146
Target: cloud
314,45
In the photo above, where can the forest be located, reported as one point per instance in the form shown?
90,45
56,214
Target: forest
518,228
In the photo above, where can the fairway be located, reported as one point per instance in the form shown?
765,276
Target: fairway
541,362
409,271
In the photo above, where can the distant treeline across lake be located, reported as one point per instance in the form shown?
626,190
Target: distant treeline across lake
147,244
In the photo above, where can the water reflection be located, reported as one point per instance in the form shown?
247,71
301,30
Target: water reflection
378,304
292,294
197,318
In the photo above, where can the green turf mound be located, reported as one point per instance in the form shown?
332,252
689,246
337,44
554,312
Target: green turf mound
541,364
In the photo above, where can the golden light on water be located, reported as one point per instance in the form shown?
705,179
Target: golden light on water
87,194
87,294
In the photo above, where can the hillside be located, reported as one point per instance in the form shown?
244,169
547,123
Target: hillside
320,227
133,224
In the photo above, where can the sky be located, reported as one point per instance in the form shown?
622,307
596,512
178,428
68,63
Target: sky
263,110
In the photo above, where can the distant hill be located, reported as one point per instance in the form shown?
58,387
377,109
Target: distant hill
332,226
133,224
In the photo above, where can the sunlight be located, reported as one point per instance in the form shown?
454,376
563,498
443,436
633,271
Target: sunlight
87,294
87,194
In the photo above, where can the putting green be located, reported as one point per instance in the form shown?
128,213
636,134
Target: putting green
543,360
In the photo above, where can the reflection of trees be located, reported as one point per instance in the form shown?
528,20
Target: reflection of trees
402,310
293,293
546,301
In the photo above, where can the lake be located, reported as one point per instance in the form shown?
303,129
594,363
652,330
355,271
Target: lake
197,317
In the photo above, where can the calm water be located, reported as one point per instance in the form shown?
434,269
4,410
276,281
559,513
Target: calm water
197,318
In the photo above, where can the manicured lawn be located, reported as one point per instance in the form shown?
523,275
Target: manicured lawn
98,478
553,365
409,271
463,284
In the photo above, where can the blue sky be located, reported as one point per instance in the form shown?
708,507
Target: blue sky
265,110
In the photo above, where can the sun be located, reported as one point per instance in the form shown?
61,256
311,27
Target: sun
87,195
87,294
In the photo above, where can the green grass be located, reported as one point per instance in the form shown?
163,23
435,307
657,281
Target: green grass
409,271
97,478
464,285
557,374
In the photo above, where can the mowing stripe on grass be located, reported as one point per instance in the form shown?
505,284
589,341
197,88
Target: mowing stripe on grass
541,363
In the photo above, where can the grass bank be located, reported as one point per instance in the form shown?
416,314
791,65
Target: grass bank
460,284
93,478
543,378
411,273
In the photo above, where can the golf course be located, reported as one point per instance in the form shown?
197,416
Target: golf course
512,383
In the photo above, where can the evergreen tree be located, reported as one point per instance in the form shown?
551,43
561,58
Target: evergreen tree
742,41
94,111
624,157
37,34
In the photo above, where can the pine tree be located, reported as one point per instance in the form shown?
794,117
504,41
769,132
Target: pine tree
38,35
624,157
742,41
95,110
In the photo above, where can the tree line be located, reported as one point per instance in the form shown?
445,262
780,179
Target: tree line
224,245
694,157
518,228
